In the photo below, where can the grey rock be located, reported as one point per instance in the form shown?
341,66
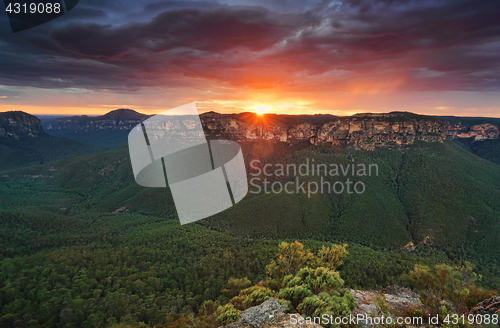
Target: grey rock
256,315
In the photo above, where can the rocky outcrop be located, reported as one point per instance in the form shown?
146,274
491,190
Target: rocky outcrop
397,299
268,315
489,306
391,302
17,125
479,132
399,291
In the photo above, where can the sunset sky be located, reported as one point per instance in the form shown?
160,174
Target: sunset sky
328,57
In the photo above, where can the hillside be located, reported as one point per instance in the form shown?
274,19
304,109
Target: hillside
488,149
427,194
435,193
23,142
81,243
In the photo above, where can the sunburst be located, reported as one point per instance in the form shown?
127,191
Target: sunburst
262,109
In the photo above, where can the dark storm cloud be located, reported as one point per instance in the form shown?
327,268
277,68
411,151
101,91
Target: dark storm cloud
212,30
447,45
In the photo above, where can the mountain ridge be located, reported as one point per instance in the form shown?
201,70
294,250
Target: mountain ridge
18,124
118,119
365,130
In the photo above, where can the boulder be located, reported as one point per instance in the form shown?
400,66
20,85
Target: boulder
267,315
489,306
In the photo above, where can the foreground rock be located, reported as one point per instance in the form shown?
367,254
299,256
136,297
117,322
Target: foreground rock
489,306
397,300
393,301
267,315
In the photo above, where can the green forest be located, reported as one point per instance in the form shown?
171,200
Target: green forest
82,245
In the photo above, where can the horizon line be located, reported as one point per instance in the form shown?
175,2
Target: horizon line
264,114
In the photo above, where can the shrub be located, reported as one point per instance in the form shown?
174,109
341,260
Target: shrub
443,282
300,281
227,314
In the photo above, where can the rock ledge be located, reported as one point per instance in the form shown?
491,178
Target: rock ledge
267,315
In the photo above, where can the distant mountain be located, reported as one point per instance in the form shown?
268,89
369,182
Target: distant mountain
18,125
120,119
109,130
471,121
23,142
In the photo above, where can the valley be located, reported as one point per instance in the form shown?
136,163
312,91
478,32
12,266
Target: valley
82,243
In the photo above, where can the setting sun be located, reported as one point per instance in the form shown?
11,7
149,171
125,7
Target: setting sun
262,109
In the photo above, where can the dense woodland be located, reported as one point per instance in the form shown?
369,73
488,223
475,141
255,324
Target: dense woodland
81,245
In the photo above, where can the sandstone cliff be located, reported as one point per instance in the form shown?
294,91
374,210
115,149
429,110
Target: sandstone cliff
18,125
362,130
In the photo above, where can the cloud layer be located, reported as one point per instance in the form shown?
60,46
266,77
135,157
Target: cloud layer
354,46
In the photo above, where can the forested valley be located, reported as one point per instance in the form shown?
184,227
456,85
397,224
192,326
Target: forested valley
82,245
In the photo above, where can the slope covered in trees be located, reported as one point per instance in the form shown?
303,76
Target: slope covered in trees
83,242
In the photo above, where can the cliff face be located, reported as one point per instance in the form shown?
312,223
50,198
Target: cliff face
120,119
19,125
478,132
365,131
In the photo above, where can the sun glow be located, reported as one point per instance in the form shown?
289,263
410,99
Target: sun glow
262,109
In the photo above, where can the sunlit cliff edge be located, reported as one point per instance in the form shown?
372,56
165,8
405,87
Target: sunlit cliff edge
365,131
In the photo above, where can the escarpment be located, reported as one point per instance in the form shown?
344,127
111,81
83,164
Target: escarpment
365,131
